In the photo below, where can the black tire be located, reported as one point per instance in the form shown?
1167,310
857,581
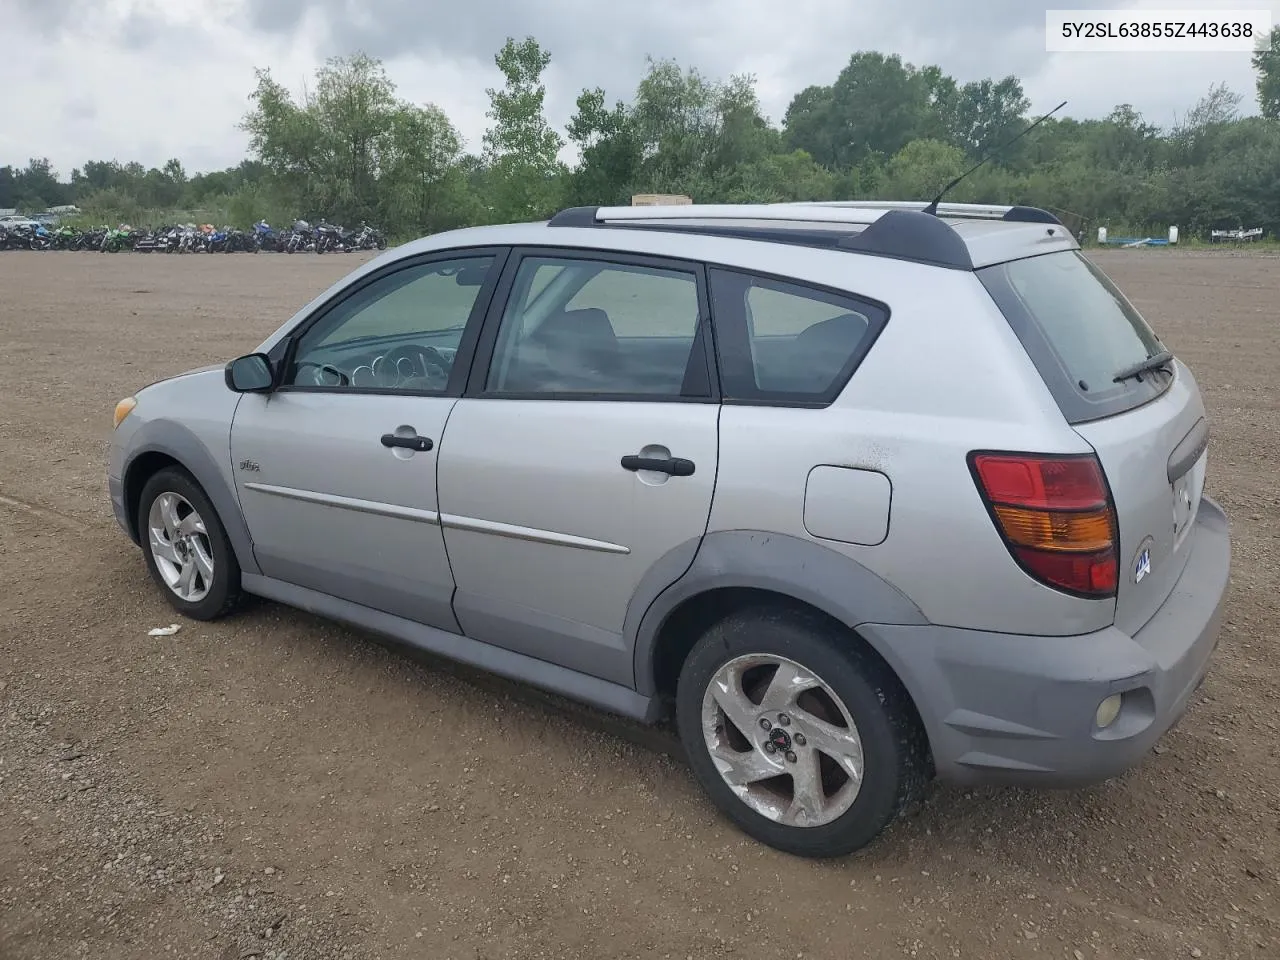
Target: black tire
896,764
224,592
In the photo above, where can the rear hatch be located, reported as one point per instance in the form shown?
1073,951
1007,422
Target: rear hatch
1148,428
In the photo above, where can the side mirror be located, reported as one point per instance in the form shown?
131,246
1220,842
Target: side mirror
250,374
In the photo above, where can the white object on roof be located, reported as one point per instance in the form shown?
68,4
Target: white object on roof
660,200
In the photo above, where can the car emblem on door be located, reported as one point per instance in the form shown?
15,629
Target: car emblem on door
1142,562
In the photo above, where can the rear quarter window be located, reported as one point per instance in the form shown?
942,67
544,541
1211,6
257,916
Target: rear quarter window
784,343
1079,330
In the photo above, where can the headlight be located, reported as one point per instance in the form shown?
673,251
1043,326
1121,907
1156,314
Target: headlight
123,409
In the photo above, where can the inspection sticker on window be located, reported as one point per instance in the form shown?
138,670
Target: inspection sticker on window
1157,31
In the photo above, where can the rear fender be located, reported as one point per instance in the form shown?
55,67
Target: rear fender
793,567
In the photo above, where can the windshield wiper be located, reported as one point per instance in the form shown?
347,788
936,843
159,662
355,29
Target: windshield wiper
1154,362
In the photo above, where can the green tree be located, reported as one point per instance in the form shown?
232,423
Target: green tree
354,106
520,147
694,131
174,172
1267,62
423,180
36,186
778,178
1194,140
610,152
985,114
1123,141
677,123
876,106
744,134
809,125
328,150
922,168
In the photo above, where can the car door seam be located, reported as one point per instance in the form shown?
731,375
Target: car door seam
231,468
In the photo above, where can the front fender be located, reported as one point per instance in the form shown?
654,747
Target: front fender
180,442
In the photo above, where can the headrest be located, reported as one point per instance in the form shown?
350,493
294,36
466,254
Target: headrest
587,327
840,333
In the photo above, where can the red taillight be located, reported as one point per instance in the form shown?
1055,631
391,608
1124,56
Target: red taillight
1055,516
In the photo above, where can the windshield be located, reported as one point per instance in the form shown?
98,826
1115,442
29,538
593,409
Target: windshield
1079,330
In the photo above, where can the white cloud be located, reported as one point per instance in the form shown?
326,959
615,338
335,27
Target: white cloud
151,79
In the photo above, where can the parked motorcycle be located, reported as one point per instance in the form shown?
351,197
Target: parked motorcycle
329,239
369,238
115,240
301,238
323,237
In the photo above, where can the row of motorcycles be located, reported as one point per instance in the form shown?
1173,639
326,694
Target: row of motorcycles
301,237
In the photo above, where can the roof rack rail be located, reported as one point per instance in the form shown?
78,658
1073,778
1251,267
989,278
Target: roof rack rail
901,234
793,212
960,211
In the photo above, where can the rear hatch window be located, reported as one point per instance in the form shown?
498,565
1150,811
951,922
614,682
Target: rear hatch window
1079,331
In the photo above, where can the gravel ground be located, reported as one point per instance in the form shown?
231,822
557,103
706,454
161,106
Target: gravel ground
277,786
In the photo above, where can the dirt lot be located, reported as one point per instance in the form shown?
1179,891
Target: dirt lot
274,786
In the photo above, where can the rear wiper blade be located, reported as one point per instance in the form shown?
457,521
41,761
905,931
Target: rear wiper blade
1153,362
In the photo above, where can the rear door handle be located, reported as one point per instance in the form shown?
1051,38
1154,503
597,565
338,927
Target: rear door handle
675,466
420,444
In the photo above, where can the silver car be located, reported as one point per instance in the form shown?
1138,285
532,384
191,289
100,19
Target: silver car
862,493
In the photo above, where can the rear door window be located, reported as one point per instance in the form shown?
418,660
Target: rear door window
1079,330
594,327
787,343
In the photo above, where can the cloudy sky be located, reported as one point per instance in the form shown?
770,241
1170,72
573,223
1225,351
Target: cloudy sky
151,79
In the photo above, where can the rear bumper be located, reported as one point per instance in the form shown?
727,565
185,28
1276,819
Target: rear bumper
1003,708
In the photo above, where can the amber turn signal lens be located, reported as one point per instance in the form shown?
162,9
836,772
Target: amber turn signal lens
123,409
1084,532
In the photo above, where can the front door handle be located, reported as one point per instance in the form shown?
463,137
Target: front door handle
415,442
675,466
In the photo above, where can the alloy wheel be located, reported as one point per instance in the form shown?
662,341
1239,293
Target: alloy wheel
179,543
782,740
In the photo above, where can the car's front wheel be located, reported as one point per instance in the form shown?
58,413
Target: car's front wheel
803,739
186,546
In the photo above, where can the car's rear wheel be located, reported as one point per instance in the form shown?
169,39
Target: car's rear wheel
803,739
186,546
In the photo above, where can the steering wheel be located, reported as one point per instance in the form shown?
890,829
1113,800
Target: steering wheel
320,370
412,360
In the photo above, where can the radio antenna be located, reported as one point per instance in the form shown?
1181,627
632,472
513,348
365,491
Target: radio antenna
933,207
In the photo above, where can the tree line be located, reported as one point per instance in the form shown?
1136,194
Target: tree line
350,149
